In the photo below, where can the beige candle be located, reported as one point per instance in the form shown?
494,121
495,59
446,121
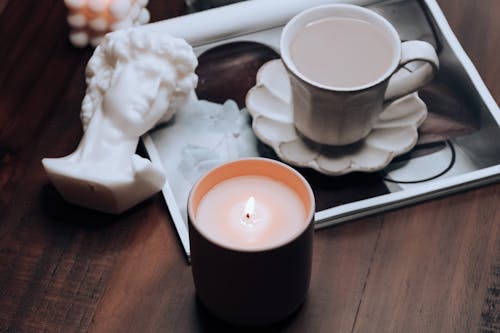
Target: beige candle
251,212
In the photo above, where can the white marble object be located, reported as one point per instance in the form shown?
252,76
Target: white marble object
90,20
135,79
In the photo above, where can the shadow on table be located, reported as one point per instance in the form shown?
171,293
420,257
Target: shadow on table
211,323
59,210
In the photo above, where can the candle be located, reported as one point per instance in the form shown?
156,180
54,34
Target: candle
250,230
90,20
251,212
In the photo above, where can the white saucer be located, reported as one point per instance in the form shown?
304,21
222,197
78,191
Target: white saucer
269,104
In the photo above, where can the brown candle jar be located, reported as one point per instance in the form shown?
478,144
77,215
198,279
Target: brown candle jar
252,287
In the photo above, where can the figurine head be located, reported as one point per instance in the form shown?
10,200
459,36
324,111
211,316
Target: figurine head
138,78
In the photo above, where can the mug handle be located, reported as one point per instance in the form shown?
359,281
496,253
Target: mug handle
404,81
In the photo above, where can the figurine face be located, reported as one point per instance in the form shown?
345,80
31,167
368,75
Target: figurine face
137,96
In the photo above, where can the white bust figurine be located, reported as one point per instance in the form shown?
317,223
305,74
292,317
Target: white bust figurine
135,79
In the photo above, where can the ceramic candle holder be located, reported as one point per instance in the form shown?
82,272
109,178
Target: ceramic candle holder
252,283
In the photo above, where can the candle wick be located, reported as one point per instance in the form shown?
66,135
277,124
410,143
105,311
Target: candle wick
247,215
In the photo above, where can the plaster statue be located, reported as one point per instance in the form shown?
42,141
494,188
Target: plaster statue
135,80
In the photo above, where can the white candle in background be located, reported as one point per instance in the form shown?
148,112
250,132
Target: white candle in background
90,20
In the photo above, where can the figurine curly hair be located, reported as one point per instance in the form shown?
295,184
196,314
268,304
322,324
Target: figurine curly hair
131,44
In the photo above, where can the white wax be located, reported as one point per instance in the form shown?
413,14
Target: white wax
279,214
90,20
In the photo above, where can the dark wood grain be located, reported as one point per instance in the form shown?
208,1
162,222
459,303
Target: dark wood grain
431,267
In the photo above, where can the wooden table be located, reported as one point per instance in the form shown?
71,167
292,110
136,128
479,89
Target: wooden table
431,267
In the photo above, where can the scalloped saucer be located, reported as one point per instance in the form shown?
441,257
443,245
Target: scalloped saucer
394,134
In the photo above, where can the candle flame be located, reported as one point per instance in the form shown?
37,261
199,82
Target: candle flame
249,207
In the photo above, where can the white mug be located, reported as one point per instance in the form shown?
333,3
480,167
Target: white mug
343,115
